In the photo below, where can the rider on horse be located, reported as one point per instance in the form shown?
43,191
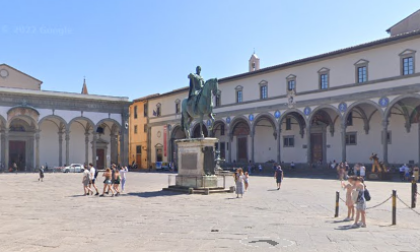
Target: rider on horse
196,85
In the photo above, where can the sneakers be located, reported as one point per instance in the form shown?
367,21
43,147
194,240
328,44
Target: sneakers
363,225
96,194
347,219
101,195
355,226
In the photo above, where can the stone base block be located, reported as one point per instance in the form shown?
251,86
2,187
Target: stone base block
379,176
196,181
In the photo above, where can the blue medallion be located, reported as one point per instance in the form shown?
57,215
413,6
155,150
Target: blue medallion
228,119
342,107
277,114
384,101
307,111
251,117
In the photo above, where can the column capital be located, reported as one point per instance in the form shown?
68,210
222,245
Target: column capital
385,123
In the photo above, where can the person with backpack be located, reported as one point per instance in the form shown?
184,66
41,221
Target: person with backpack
360,203
93,173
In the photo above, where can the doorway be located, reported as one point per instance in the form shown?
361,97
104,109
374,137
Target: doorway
17,154
100,158
242,149
317,147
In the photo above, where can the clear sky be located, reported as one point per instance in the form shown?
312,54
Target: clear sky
134,48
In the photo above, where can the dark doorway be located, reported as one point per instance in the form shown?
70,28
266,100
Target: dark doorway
196,133
316,147
242,149
17,154
100,155
138,156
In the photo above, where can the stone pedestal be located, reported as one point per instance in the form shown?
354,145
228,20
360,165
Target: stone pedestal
191,158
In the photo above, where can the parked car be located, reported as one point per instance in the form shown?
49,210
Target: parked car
74,168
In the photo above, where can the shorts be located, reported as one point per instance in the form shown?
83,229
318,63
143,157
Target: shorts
108,182
92,182
116,182
361,205
279,180
85,183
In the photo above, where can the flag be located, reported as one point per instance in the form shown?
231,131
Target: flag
154,113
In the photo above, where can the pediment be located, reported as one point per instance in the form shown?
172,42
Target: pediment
361,62
239,87
291,76
263,83
407,52
323,70
13,78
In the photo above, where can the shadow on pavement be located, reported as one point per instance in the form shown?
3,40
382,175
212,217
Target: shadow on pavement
74,196
346,227
153,194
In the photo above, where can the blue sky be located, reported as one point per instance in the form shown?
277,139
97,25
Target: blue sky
134,48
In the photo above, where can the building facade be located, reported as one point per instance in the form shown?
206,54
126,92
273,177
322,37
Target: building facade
138,133
342,105
53,128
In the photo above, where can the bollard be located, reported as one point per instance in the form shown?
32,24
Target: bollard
413,192
206,191
337,198
231,189
190,190
394,207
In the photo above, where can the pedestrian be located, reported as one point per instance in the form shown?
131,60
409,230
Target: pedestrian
41,174
333,165
107,182
402,172
246,181
123,174
240,180
407,173
260,168
85,181
117,180
347,170
93,173
360,203
350,200
278,175
292,165
249,167
362,171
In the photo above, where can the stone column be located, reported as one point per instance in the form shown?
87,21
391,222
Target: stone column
343,141
67,147
385,124
60,148
230,147
278,132
308,143
6,149
123,146
86,148
252,134
94,148
114,152
37,149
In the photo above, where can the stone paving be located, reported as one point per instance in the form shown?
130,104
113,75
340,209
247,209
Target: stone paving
54,216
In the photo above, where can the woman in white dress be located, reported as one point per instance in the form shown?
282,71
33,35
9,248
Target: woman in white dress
240,180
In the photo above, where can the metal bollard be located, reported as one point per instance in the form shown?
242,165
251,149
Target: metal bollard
413,192
394,207
337,198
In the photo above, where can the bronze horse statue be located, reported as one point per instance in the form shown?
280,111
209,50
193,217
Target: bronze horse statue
376,164
203,105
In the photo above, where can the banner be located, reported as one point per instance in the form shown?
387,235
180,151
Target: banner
165,130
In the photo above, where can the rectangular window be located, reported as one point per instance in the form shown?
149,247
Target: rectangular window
138,149
145,128
288,123
349,121
135,129
239,96
263,90
177,108
291,85
135,112
361,74
145,109
288,141
218,100
408,66
323,79
351,138
222,130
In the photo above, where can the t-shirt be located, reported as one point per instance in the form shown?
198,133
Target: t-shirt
86,175
279,173
123,172
362,171
92,173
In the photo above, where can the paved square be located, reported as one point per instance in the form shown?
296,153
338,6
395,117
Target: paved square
53,216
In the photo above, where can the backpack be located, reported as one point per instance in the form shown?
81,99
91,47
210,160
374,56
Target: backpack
96,173
366,194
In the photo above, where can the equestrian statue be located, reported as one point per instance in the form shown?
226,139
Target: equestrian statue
376,164
199,102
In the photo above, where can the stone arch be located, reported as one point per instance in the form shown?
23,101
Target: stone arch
357,106
76,119
105,121
264,116
298,116
176,133
58,118
29,120
235,121
3,123
396,100
216,125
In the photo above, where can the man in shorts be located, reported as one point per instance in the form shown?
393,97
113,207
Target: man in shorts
92,177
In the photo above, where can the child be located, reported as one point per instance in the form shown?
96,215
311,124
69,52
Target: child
246,180
360,203
349,198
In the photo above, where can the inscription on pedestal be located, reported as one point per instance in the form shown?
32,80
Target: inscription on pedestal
189,161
